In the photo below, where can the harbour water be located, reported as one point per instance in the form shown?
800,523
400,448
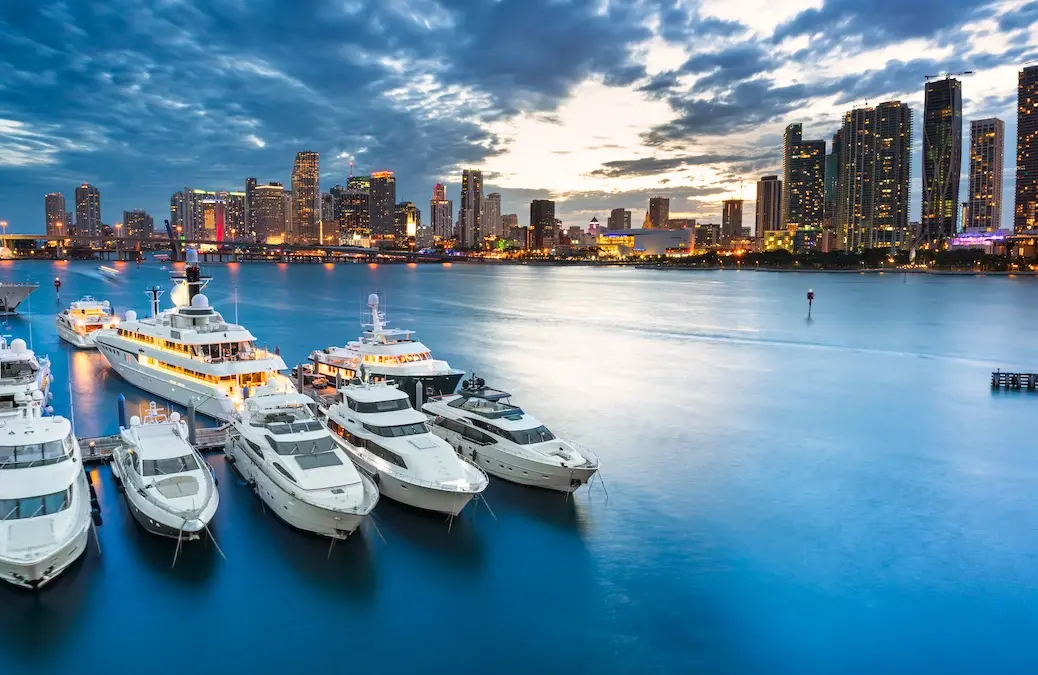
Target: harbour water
844,494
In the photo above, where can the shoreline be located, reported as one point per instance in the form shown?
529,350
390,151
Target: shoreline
871,270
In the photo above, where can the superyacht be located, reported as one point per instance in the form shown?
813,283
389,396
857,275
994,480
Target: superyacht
77,324
190,353
12,295
24,378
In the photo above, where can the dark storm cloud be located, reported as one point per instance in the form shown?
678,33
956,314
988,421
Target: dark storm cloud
649,166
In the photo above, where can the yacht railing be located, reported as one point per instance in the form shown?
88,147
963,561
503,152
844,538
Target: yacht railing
588,455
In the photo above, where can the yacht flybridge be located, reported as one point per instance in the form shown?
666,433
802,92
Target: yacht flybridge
77,323
169,488
190,352
507,442
388,439
44,498
384,353
24,379
290,459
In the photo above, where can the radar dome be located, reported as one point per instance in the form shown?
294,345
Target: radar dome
175,417
373,299
37,395
200,301
192,256
106,304
134,421
18,345
131,315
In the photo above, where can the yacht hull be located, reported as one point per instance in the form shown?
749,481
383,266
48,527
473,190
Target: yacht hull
298,514
162,523
74,338
12,295
412,494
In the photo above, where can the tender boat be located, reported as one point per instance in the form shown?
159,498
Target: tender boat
12,295
169,488
507,442
388,439
292,462
24,378
191,353
77,323
44,498
384,353
109,273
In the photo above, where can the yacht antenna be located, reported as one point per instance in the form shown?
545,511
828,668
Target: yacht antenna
29,313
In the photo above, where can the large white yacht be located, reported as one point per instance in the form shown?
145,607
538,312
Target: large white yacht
190,352
384,353
24,378
44,498
390,440
12,295
292,462
77,323
507,442
169,488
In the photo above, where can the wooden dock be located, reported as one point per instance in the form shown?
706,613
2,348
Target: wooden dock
98,449
1014,381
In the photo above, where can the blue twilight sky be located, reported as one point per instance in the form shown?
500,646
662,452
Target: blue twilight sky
597,104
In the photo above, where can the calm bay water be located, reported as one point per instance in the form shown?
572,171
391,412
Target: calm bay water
838,495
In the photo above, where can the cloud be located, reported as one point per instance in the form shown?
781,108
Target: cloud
649,166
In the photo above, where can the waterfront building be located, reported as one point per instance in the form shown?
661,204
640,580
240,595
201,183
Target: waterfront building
249,229
542,223
987,154
642,242
382,203
138,223
731,220
681,223
831,181
619,219
492,215
406,220
659,212
57,217
803,179
707,234
508,221
306,198
329,227
778,240
441,213
268,208
236,223
214,220
357,212
1025,210
769,208
942,159
88,211
470,215
335,227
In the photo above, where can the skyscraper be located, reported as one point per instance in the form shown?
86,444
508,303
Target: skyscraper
987,153
57,218
383,203
306,198
542,223
619,219
872,185
659,212
492,215
769,208
236,224
731,220
407,218
942,159
441,213
88,211
1025,212
249,231
470,215
138,223
329,225
357,212
832,174
268,209
214,220
803,180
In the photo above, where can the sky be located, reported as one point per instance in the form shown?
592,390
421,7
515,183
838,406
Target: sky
597,104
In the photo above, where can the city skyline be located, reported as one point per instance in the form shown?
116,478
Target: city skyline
602,119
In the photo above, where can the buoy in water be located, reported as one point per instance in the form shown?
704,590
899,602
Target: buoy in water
810,300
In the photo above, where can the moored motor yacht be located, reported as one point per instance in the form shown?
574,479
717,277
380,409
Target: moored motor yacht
508,442
44,498
12,295
292,462
169,488
388,439
24,378
77,324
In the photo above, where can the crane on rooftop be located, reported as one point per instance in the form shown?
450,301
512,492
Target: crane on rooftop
947,75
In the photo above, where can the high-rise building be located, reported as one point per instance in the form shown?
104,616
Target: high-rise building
508,221
268,209
249,229
942,159
357,212
1025,211
329,225
57,218
803,180
492,215
407,218
832,173
337,226
441,213
987,153
383,203
138,223
731,220
542,223
214,220
88,211
470,215
659,212
306,198
873,181
619,219
236,223
769,208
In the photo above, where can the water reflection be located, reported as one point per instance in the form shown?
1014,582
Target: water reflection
571,513
459,542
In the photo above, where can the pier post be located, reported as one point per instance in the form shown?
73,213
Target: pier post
192,431
122,412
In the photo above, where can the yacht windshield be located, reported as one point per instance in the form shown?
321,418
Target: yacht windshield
399,429
308,447
281,428
378,406
528,436
35,454
30,507
166,467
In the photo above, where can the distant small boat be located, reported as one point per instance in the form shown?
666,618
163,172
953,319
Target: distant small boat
110,273
161,257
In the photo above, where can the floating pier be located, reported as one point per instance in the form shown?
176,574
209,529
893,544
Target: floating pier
1014,381
100,448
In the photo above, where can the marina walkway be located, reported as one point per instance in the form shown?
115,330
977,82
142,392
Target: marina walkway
100,448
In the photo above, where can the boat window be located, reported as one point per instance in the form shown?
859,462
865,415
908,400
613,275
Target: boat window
398,429
474,435
308,447
529,436
379,451
284,472
35,454
280,428
318,460
16,369
31,507
172,465
378,406
255,448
